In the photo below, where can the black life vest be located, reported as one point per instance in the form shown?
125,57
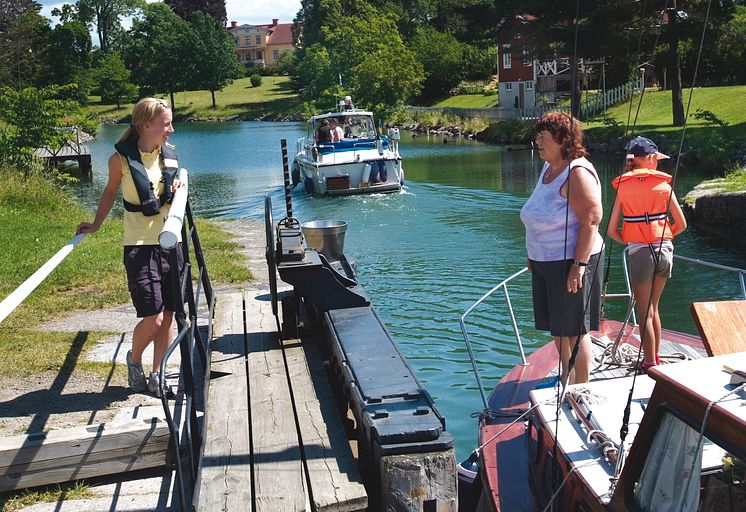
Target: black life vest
150,204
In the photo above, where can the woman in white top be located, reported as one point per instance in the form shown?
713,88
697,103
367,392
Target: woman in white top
563,244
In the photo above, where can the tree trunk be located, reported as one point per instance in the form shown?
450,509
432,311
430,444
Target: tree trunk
173,105
213,99
674,65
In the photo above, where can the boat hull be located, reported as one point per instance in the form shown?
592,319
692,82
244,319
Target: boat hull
515,462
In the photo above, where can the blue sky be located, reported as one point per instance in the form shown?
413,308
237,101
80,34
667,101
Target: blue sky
254,12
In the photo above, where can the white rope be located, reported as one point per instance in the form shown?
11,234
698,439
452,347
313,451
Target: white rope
12,301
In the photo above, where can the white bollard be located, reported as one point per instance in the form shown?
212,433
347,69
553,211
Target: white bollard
171,231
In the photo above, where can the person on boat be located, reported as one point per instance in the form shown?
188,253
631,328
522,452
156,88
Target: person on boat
324,133
643,202
337,132
144,166
564,247
348,103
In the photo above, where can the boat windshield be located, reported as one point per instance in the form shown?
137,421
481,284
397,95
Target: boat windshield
355,126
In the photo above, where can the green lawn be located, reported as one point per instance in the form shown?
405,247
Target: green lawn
468,101
275,98
724,103
38,219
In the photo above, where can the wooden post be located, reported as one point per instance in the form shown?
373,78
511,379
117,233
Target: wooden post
419,482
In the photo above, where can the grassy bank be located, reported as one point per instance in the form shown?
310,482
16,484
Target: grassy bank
275,98
716,127
483,100
38,219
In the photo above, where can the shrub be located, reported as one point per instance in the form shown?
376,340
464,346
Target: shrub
256,80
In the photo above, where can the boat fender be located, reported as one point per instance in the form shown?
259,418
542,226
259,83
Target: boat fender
366,175
295,174
379,146
401,176
308,185
469,483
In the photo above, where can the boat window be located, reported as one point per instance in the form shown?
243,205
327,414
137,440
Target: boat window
359,127
680,473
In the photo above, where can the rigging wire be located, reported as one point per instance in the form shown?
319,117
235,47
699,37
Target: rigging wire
625,420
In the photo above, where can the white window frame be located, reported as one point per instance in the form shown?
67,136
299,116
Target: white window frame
258,39
507,57
529,85
527,58
247,40
509,86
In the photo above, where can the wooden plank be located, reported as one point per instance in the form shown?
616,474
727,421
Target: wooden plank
722,325
335,480
225,478
278,468
131,461
63,455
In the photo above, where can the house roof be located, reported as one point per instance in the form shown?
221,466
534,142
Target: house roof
282,33
279,33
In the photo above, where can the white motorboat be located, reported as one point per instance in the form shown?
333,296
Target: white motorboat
360,160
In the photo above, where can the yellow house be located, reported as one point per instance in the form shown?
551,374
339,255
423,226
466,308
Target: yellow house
262,44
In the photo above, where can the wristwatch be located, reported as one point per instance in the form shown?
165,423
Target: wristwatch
578,263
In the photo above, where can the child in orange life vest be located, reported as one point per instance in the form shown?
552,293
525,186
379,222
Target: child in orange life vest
644,199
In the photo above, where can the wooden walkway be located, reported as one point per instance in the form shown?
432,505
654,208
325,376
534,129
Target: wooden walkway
69,151
274,441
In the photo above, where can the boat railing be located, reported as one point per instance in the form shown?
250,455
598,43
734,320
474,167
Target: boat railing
503,285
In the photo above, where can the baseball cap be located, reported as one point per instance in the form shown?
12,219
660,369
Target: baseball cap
642,146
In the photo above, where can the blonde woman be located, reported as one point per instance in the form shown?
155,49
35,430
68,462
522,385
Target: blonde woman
144,166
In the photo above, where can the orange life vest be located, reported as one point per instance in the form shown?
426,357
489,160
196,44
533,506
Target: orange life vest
644,196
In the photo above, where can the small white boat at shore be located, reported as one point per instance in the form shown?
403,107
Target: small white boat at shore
363,161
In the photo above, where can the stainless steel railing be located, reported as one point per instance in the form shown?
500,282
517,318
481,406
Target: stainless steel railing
628,295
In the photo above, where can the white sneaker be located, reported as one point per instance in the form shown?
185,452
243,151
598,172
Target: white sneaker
154,384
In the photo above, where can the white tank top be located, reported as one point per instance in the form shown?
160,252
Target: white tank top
544,215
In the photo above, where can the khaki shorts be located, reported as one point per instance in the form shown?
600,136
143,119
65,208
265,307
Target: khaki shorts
652,260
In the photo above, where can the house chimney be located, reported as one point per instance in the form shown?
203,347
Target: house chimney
234,24
275,21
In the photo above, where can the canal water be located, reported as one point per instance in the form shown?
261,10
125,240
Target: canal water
426,254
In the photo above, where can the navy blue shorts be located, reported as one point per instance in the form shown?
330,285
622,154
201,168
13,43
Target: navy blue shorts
149,278
558,311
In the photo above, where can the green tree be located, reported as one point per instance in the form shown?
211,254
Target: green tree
69,55
731,48
214,54
33,118
288,62
23,36
106,16
113,79
374,84
442,58
159,51
186,8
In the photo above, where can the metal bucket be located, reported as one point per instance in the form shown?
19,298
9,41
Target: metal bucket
326,236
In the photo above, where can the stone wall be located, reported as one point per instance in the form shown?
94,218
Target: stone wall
710,208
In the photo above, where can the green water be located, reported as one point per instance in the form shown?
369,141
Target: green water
426,254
